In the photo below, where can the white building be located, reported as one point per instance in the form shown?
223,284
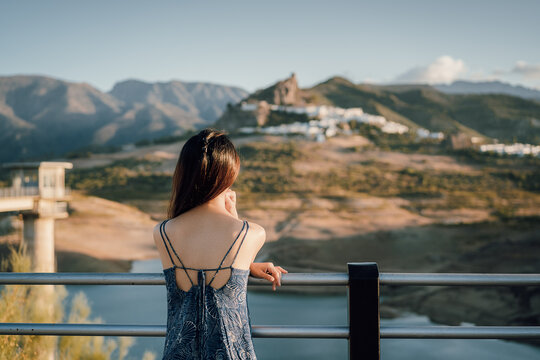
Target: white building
426,134
513,149
394,128
327,120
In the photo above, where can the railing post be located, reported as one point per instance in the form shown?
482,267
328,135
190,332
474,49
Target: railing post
364,329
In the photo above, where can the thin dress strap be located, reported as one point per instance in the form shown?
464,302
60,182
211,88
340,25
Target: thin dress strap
164,243
162,231
244,225
239,246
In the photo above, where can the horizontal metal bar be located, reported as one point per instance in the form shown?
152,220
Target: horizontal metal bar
83,278
461,332
81,329
459,279
282,331
300,331
155,279
312,279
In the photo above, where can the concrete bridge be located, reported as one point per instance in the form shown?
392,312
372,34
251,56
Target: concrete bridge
38,192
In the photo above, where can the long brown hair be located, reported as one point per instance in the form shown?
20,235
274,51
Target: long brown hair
208,164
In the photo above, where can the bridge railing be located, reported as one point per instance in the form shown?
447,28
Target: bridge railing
11,192
363,331
51,193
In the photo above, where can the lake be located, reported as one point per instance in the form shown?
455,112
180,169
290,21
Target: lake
146,305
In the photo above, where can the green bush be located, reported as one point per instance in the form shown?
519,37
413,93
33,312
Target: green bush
283,117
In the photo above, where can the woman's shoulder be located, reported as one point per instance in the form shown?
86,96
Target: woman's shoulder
157,228
256,232
157,233
255,228
162,231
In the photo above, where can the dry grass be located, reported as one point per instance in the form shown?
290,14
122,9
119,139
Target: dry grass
44,304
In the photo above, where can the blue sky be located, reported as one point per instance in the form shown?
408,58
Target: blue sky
252,44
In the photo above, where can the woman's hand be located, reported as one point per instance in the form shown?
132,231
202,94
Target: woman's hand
268,271
230,202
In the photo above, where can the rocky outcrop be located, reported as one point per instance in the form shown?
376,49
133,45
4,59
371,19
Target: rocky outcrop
262,112
459,141
285,92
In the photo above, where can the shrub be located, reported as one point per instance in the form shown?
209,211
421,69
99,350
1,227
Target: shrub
24,303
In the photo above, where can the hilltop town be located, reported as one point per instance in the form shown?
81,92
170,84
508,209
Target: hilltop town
320,122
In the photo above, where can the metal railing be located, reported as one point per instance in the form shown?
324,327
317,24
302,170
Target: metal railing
363,332
293,279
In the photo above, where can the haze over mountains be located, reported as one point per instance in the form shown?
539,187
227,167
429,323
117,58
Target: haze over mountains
42,116
46,117
488,87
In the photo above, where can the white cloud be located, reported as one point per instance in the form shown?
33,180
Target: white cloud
528,71
445,69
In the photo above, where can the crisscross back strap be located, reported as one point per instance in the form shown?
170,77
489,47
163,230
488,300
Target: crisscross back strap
244,225
162,231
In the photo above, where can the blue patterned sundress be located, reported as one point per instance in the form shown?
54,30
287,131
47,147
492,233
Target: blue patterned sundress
204,322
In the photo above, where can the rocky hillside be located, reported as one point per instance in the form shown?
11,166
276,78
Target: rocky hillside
284,92
505,117
43,117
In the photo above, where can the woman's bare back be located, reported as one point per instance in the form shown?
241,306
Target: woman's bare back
201,238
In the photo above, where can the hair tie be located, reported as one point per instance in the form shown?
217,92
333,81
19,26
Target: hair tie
205,146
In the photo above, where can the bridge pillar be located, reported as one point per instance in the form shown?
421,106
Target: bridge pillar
38,235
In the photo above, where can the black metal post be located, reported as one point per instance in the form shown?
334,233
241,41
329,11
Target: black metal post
364,330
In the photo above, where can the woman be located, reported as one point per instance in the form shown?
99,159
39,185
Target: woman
207,254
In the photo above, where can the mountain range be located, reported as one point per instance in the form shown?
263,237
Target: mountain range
43,117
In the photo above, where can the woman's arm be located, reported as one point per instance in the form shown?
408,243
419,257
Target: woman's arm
265,270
